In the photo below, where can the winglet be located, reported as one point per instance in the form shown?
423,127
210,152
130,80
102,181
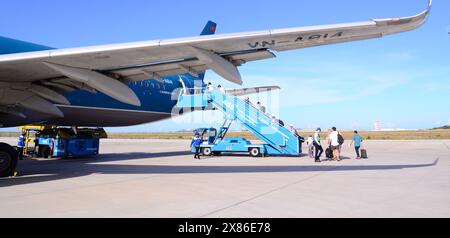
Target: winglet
428,10
397,25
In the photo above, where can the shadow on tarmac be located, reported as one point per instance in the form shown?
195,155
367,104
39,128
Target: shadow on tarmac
33,171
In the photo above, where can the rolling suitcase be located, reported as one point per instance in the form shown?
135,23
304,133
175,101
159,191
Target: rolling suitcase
364,154
329,153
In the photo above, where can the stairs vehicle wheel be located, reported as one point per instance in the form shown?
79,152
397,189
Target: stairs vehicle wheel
255,152
207,151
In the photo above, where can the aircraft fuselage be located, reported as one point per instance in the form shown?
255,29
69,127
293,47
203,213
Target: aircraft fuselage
158,99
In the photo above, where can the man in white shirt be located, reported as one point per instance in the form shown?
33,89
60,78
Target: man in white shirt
335,146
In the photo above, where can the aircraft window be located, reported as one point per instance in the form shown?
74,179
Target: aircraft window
213,133
234,141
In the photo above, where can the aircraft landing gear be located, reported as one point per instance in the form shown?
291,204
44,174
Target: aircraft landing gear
8,160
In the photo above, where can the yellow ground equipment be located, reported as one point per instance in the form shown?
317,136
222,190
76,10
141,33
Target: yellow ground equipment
48,141
31,137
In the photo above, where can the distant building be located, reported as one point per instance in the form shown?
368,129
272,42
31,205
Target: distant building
377,126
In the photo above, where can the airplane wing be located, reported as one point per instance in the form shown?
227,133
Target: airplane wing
107,68
250,91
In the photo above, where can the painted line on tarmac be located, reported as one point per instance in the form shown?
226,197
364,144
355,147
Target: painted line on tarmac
446,145
335,168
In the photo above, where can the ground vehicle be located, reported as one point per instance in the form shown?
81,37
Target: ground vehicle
62,142
216,143
56,142
276,139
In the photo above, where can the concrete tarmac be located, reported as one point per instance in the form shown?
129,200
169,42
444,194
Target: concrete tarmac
160,178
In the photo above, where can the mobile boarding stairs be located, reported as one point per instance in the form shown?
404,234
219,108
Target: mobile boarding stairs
277,139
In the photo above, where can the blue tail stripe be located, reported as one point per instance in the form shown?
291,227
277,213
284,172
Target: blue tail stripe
210,29
12,46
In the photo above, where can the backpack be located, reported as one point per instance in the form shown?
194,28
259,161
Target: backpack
340,139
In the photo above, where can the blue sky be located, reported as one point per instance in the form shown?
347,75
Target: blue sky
400,80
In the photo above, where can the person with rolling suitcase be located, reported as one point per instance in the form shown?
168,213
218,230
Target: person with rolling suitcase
357,141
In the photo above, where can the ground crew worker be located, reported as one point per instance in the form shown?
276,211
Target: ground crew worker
195,133
21,145
317,145
197,142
